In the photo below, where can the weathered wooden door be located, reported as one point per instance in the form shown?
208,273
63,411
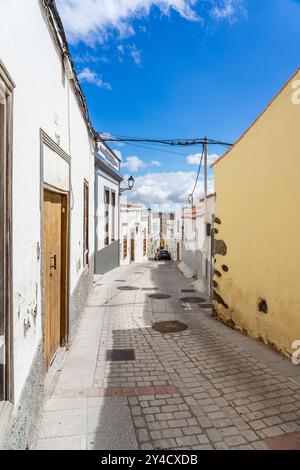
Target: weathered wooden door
132,254
54,270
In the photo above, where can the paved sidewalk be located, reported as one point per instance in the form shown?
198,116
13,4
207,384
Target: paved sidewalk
207,387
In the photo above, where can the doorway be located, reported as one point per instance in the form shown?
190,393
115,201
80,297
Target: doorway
55,272
132,254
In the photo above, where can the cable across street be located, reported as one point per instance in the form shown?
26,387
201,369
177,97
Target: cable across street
205,142
179,142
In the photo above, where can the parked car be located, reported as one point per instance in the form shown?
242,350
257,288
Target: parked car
162,255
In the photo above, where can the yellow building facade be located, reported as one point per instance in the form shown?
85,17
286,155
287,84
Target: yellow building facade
257,226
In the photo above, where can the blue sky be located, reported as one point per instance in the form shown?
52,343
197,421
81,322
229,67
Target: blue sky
179,69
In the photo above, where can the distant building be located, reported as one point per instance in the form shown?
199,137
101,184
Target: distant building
134,234
257,225
161,229
107,213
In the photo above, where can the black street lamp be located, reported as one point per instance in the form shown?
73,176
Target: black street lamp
130,183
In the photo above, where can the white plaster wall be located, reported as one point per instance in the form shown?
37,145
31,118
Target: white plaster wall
82,168
40,101
56,170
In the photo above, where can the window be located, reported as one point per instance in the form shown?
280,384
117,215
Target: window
113,215
6,111
86,224
106,217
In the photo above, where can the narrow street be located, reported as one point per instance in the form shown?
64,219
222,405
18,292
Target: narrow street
207,387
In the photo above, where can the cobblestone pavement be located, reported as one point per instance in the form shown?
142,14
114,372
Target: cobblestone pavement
207,387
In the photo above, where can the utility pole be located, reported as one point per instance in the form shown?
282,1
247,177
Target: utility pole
205,170
205,154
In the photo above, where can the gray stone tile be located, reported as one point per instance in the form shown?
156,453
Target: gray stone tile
63,423
62,443
57,404
110,427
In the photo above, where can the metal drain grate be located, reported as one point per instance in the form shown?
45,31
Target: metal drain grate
160,296
204,306
150,288
186,291
192,300
169,327
128,288
120,355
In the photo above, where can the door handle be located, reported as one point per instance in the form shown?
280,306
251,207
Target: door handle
54,261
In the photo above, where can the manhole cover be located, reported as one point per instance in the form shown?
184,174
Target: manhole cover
187,291
192,300
160,296
128,288
169,327
150,288
120,355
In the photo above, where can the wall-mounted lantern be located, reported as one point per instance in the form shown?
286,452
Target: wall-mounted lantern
130,183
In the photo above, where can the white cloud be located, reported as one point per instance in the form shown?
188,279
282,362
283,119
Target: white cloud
227,9
133,164
89,76
166,189
136,55
194,158
93,20
90,58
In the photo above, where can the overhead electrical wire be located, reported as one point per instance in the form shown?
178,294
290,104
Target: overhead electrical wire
162,142
171,142
183,154
197,178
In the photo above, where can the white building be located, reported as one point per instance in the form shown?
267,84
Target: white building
197,257
174,234
107,216
161,231
134,234
46,207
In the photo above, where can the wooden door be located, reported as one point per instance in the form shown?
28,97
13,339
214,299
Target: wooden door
54,270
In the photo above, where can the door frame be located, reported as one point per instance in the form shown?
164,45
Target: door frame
45,140
8,89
